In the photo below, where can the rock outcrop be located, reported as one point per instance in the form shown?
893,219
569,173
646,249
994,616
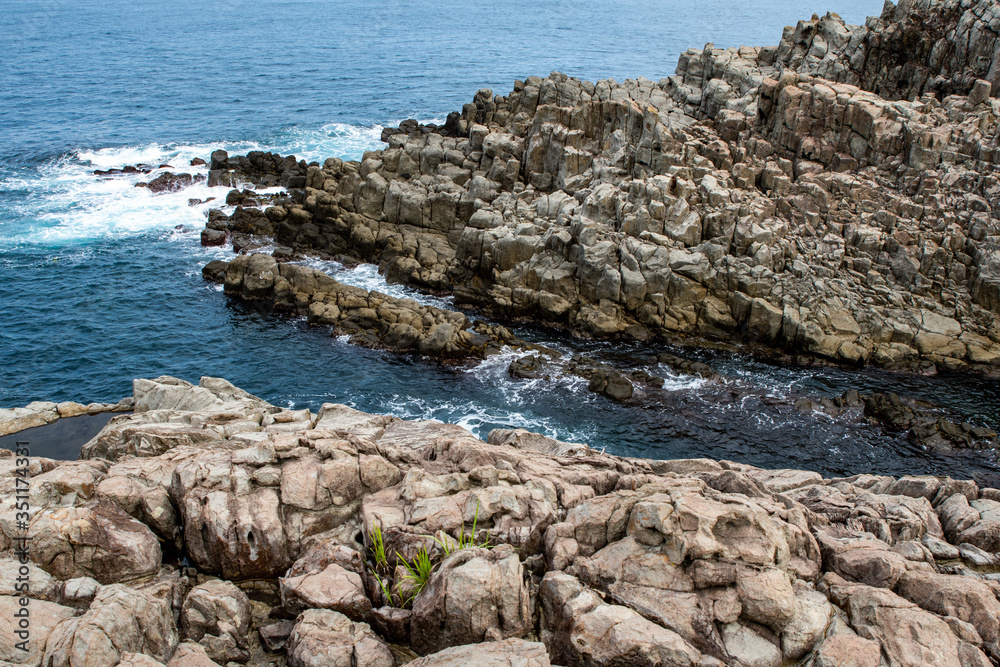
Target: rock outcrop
268,534
834,196
370,319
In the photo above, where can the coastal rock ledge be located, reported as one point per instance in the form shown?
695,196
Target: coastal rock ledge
208,527
835,196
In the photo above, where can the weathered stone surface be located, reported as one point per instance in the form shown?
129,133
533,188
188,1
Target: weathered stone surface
619,561
830,196
331,588
908,634
40,618
325,638
193,655
474,595
582,630
217,614
506,653
97,540
120,620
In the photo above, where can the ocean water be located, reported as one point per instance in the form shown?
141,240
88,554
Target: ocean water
100,281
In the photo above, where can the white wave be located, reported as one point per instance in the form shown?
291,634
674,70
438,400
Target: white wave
64,202
366,276
673,381
478,418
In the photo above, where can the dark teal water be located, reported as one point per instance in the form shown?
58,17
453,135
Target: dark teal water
98,285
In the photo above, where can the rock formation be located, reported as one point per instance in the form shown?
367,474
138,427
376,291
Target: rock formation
209,527
834,196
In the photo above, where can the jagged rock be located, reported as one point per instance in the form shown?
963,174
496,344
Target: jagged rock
217,614
506,653
524,439
474,595
24,644
325,638
711,202
120,620
908,634
582,629
691,562
97,540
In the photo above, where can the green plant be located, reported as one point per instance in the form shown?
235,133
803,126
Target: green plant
418,572
386,592
450,545
378,551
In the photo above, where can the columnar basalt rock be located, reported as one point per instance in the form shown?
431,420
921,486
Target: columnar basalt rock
834,196
567,555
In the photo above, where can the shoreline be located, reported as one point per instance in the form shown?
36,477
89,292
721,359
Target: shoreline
222,528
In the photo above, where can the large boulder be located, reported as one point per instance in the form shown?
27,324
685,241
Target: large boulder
326,638
910,636
473,596
506,653
580,629
120,620
23,643
333,587
97,540
217,614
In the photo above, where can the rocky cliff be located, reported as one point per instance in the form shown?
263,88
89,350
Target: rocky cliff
208,527
836,196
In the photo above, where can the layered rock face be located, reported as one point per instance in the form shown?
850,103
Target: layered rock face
211,528
835,196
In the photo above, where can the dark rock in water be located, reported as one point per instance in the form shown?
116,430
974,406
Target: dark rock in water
213,237
197,162
170,182
925,423
804,405
217,219
122,171
218,177
282,252
199,202
219,160
371,319
215,271
686,365
526,368
612,384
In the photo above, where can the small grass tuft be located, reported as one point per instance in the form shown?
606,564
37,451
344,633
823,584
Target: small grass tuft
449,545
418,572
378,551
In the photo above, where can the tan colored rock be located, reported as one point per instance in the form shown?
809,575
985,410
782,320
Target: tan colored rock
506,653
189,654
39,619
330,588
582,629
473,595
217,614
98,541
120,620
848,650
909,635
964,598
325,638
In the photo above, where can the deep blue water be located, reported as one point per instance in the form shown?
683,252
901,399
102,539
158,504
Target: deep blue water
100,281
